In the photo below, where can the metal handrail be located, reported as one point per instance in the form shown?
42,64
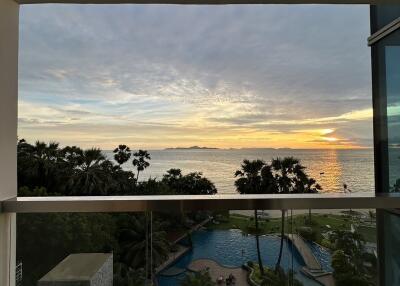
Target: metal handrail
383,32
194,203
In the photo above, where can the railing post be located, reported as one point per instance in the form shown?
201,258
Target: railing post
9,18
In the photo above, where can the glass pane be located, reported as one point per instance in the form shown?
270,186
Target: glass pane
318,246
200,94
387,112
384,14
392,58
392,248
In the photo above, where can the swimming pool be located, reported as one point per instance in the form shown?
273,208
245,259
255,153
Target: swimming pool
322,255
232,248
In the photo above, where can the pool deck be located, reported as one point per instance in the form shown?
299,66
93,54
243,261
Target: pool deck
324,278
216,270
309,259
313,267
172,257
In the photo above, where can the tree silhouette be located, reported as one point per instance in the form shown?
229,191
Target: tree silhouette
91,177
282,176
135,238
47,170
122,154
351,262
127,276
191,184
140,161
255,177
290,177
372,215
38,163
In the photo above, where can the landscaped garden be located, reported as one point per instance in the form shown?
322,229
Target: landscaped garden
335,239
320,223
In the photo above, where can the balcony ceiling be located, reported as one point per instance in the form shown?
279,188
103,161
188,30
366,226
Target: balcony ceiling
214,2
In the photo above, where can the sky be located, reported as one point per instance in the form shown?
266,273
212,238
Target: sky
158,76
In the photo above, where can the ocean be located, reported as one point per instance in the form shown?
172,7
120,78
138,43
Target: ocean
330,168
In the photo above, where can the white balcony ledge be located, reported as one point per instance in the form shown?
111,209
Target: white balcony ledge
194,203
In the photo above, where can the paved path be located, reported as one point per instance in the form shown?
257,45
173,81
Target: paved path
217,270
311,262
172,256
326,280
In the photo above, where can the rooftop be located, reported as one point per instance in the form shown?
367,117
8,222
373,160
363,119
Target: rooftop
77,267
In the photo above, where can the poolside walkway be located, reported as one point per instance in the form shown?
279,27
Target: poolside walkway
313,267
172,256
217,270
324,278
309,259
175,238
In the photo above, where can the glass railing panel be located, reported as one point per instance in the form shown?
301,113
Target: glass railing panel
213,247
392,53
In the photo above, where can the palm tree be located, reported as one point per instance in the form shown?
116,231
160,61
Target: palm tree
140,161
72,155
304,184
90,177
283,169
291,178
255,177
122,154
307,185
126,276
135,239
92,157
43,158
372,215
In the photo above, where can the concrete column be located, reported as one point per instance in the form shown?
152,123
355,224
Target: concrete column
9,12
7,249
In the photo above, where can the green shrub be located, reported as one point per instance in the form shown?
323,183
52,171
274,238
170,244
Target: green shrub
326,243
307,233
174,248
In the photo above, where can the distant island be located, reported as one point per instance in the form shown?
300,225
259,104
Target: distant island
192,148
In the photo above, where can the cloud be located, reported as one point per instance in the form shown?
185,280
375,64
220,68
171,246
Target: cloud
184,72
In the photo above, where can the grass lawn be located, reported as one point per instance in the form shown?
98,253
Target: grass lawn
273,225
369,233
256,274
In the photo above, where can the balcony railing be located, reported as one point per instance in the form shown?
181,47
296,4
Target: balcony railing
195,203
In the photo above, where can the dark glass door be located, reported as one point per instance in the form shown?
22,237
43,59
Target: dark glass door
385,44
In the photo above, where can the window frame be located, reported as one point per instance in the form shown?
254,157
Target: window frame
10,204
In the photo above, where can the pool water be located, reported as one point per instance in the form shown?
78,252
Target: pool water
322,255
232,248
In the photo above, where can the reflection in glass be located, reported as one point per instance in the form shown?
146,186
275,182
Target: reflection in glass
207,246
392,54
392,247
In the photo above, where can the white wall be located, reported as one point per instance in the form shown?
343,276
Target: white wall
9,11
8,97
7,248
